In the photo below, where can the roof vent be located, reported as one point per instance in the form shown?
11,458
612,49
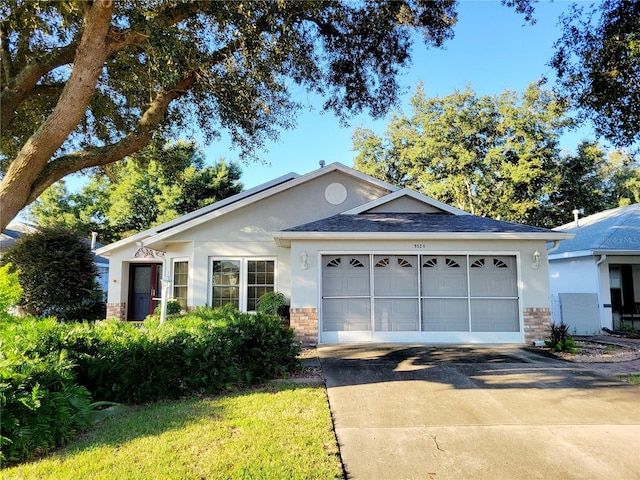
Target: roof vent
577,212
321,162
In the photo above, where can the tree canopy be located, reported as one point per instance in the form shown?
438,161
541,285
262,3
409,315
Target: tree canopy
86,83
153,186
494,155
597,61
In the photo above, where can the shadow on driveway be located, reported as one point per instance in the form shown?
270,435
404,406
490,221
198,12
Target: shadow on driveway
462,412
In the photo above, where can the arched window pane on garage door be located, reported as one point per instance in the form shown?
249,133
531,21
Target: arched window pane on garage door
346,293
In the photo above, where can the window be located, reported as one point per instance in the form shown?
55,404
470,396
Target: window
260,280
241,282
180,282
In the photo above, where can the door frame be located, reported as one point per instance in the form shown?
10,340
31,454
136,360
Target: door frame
154,291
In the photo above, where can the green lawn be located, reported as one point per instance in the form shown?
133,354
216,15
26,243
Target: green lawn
280,431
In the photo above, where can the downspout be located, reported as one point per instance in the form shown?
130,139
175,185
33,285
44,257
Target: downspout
556,244
603,257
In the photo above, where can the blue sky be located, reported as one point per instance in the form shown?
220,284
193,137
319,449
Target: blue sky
493,49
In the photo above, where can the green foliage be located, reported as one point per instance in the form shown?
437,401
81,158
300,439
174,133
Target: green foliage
10,289
497,156
47,369
560,340
273,303
174,307
597,61
153,186
170,67
57,274
42,406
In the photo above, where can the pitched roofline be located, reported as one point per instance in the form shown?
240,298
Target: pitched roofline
405,192
141,236
283,239
240,200
333,167
590,253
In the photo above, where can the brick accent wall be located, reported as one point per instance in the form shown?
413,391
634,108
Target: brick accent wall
537,324
117,311
304,322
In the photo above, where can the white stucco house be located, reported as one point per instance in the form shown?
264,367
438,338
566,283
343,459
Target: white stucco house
359,260
595,277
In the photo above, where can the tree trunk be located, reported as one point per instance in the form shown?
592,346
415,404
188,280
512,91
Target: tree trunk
17,184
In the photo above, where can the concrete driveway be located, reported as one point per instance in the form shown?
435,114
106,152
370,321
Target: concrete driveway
441,412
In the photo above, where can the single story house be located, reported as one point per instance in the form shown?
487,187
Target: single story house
594,278
359,260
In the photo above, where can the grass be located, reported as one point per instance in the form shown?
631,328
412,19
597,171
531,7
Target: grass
279,431
633,379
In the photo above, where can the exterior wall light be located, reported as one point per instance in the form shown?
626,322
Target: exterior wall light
304,260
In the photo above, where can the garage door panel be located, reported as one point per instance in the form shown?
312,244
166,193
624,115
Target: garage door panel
346,314
494,315
394,314
445,314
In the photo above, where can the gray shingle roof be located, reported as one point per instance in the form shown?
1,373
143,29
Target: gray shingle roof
617,229
413,223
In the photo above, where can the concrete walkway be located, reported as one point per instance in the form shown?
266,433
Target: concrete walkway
439,412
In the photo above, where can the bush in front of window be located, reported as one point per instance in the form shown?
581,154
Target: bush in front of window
274,303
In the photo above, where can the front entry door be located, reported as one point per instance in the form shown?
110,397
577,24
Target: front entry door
144,288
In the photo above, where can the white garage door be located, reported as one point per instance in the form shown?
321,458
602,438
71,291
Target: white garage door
420,298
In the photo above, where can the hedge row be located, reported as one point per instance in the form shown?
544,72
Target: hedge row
51,373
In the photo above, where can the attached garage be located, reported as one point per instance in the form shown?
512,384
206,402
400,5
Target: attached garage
427,298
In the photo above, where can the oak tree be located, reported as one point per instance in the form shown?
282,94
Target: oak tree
597,61
150,187
86,83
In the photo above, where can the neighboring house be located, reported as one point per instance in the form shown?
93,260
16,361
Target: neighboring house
595,277
15,230
359,260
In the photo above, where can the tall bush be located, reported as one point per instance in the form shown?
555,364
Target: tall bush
57,274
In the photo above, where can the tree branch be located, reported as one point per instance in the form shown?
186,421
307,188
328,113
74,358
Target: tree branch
131,143
20,86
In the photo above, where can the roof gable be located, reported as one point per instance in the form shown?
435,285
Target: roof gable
243,199
405,201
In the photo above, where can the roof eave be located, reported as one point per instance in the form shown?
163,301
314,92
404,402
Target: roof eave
283,239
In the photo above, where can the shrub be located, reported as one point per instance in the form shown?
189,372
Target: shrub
40,403
56,272
560,340
49,370
273,303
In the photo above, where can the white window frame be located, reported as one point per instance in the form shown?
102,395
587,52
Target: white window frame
244,273
173,277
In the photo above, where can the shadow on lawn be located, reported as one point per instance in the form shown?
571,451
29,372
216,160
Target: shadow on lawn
125,424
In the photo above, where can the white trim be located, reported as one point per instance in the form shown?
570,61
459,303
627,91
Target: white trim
405,192
243,286
283,239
